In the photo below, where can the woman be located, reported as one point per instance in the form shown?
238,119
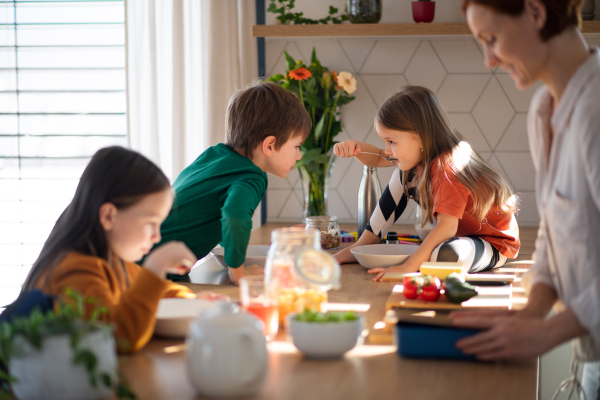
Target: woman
531,40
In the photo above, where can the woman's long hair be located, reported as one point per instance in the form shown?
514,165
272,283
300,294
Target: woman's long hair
114,175
416,109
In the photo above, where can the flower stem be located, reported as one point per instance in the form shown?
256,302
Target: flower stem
301,97
331,121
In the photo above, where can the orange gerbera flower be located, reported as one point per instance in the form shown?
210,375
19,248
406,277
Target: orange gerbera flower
337,85
300,74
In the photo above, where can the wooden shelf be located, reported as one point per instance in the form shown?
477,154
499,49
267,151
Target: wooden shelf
437,29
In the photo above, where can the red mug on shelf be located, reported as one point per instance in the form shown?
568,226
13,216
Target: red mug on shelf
423,11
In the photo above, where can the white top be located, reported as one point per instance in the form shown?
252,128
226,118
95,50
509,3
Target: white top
567,254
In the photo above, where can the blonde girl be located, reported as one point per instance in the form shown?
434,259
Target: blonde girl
468,201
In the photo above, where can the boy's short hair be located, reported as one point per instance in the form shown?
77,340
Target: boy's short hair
265,109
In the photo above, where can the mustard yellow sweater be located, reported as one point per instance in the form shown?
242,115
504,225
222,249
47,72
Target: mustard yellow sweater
130,293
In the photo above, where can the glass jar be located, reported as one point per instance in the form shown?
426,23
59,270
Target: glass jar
299,271
364,11
329,229
424,230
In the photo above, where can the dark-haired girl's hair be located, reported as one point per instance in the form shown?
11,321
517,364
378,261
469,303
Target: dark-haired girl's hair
560,14
114,175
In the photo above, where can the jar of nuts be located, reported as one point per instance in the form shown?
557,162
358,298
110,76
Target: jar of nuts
329,228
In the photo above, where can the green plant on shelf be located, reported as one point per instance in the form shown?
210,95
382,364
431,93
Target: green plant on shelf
286,16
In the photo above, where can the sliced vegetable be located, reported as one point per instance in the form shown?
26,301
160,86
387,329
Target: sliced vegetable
457,290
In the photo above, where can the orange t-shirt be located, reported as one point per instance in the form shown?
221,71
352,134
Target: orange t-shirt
131,295
450,197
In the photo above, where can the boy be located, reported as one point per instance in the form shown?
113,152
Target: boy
215,196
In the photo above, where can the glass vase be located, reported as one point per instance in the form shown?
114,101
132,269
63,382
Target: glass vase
315,186
364,11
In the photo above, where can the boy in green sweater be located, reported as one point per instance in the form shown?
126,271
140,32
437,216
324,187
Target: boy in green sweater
216,195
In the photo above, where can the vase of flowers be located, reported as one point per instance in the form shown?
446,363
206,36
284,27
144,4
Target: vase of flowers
322,92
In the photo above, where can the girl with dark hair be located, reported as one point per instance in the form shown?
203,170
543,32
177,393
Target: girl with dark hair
113,220
540,40
469,202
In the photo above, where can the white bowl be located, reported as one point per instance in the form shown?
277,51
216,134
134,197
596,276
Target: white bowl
255,255
174,315
325,339
382,255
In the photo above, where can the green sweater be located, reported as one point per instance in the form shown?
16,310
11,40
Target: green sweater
215,198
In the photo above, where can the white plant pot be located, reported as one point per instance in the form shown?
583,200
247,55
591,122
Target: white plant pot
51,374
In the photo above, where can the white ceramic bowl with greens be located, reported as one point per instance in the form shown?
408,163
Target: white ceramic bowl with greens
325,339
255,255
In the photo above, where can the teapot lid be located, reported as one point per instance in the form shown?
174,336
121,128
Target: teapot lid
226,315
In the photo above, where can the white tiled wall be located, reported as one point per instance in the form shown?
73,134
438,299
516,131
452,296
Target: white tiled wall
483,105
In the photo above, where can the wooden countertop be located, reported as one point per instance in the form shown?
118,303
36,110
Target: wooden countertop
158,371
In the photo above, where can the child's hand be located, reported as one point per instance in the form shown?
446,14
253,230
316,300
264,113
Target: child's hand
345,256
212,296
406,268
347,148
173,257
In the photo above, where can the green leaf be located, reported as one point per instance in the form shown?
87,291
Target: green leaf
276,78
322,159
106,379
313,100
308,157
320,127
332,10
290,63
313,58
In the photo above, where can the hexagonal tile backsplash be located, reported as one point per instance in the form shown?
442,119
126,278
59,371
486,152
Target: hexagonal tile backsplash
483,105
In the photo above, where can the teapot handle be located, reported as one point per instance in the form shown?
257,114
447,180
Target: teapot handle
258,355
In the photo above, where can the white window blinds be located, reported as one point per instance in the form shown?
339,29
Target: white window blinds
62,97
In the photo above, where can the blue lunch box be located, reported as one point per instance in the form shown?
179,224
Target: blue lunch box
430,341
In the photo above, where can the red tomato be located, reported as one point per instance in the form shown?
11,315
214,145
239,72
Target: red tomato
411,287
431,288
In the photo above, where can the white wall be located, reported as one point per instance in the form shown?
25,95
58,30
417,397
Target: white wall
483,105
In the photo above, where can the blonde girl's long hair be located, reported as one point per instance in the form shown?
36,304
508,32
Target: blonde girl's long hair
416,109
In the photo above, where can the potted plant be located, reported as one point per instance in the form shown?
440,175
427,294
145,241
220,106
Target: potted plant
322,92
423,10
60,355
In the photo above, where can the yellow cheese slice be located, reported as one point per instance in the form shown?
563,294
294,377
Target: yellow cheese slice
442,269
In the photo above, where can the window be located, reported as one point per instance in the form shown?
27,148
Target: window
62,97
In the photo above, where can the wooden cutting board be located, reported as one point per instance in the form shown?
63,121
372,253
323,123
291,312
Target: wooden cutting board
494,297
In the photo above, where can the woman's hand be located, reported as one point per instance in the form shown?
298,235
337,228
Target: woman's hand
515,335
173,257
505,335
347,148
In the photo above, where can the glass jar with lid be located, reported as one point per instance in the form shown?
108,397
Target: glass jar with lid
299,271
329,230
364,11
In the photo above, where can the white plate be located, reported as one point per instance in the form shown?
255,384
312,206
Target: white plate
174,315
382,255
255,255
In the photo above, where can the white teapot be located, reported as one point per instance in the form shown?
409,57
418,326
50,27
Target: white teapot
226,352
